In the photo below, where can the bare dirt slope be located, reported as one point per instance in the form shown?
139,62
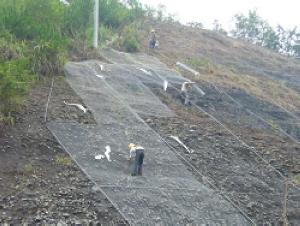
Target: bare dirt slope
243,157
229,62
251,90
40,184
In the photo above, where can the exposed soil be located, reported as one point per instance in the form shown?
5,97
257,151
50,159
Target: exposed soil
261,81
228,61
233,168
41,184
273,144
181,41
39,181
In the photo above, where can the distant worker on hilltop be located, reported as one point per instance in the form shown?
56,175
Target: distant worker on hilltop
153,39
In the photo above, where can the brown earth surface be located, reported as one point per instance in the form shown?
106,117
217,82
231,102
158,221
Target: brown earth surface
228,62
39,182
232,168
265,82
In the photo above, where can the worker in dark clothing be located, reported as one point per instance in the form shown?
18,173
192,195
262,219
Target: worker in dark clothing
153,40
136,153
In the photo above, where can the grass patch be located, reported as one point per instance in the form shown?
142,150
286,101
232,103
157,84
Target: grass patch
201,63
296,179
129,40
7,120
63,160
197,62
28,169
273,125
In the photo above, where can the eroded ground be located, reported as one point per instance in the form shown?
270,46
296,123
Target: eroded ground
39,181
233,168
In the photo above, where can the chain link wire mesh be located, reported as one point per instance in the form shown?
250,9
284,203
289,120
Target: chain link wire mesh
253,172
167,193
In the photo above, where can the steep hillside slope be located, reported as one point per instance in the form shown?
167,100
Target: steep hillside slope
244,132
239,154
251,92
230,62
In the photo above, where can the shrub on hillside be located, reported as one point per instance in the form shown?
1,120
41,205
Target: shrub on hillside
15,78
48,57
36,35
129,40
15,74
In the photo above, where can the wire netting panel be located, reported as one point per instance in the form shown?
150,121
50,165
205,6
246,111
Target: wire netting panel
125,58
148,69
188,207
123,81
239,118
167,193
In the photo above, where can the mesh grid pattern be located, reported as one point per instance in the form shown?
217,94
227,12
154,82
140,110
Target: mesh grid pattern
167,193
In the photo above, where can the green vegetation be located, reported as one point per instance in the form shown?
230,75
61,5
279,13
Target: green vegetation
63,160
296,179
15,75
198,62
201,64
254,29
37,37
28,169
273,125
129,40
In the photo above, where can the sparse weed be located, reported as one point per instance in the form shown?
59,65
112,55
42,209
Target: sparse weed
296,179
129,41
28,169
7,120
198,62
273,125
63,160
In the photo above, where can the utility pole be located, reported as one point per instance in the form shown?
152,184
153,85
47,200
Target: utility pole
96,24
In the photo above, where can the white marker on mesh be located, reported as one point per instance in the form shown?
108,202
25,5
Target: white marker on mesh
106,154
182,144
145,71
79,106
165,85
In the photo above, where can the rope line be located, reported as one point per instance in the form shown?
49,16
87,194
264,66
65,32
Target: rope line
48,100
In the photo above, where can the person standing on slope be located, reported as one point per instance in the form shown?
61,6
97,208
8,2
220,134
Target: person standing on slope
185,92
137,153
153,39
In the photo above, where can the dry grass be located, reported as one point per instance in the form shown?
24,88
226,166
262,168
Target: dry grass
223,61
28,169
265,89
63,160
7,120
296,179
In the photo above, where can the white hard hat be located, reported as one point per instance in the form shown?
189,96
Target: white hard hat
131,145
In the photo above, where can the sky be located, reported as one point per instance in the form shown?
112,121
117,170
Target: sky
283,12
